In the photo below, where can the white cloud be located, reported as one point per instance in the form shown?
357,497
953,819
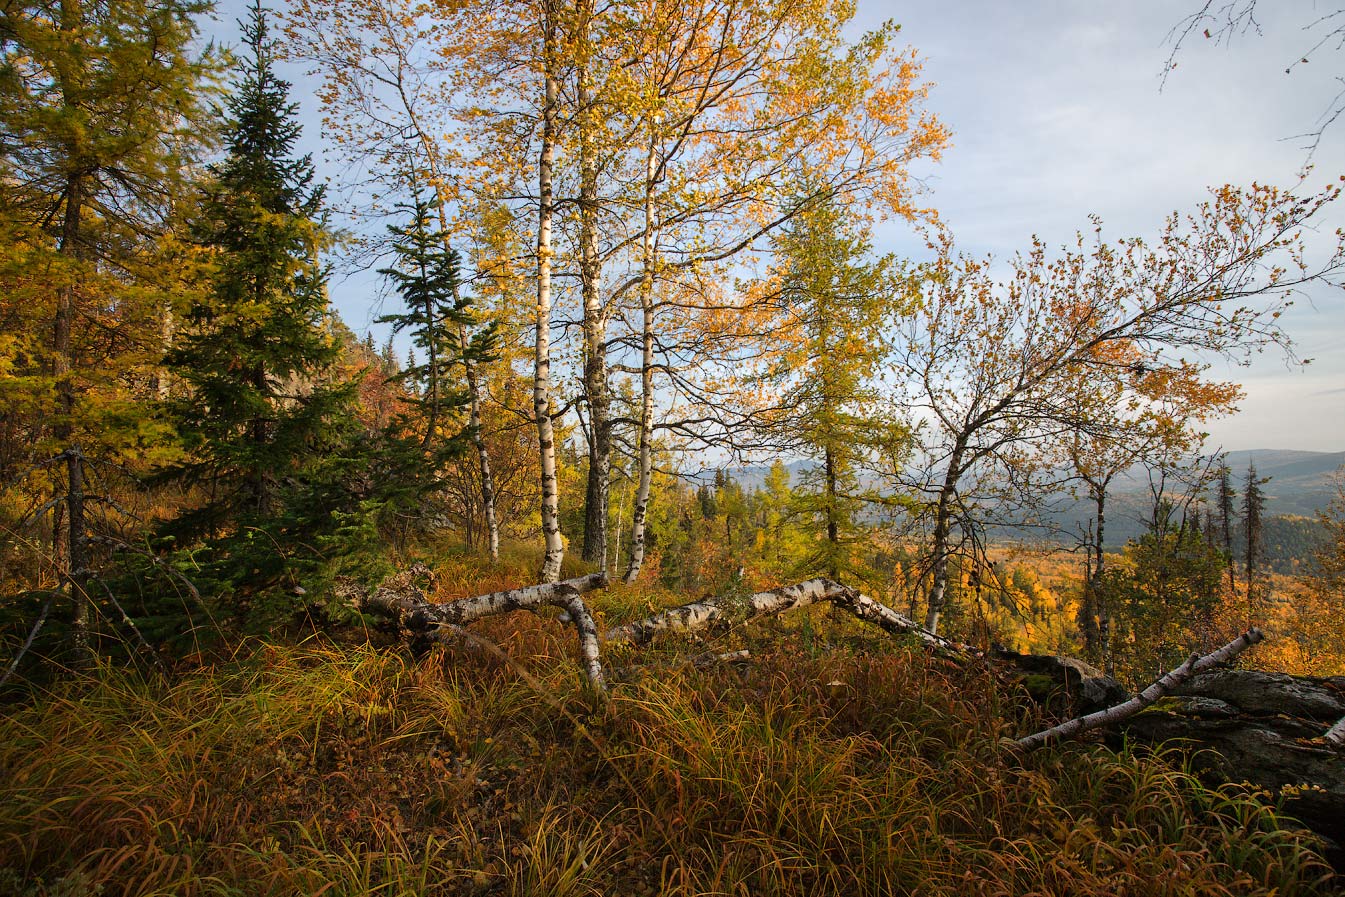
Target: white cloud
1057,113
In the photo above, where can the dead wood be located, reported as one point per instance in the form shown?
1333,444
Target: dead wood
1193,666
732,608
400,598
1336,734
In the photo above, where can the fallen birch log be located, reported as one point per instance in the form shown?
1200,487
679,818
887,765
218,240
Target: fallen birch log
1336,734
731,609
401,600
1193,666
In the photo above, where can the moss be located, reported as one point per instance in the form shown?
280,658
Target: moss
1165,705
1040,686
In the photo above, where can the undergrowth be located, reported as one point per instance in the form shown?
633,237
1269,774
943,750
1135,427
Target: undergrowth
832,763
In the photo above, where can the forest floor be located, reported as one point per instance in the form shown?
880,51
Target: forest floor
833,761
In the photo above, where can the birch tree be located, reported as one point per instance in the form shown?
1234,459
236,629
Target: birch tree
987,362
741,103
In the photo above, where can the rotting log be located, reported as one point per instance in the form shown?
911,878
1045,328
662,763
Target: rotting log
1193,666
724,609
400,599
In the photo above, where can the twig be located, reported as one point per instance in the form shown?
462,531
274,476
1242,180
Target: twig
37,627
1160,687
126,618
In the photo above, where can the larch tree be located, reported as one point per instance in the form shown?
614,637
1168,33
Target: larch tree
740,103
842,300
102,123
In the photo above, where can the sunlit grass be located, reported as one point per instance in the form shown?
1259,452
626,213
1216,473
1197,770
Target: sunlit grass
830,764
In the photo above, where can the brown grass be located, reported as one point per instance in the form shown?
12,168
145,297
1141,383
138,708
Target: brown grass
834,763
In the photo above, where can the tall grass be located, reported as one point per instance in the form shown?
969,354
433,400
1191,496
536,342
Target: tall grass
830,764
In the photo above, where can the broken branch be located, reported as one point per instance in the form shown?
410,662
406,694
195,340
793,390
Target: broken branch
704,614
400,599
1193,666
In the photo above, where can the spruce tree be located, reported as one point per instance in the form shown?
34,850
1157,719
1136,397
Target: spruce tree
1253,504
261,417
437,315
1226,498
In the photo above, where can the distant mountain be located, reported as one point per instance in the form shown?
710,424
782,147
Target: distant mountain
1300,483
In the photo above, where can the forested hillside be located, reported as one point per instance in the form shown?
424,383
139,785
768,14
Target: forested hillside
484,598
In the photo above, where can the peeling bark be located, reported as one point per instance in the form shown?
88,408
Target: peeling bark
400,599
1194,665
1336,734
541,392
704,614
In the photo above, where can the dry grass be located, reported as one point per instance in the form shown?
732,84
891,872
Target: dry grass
832,764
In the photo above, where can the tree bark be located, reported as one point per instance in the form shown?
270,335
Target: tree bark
640,513
705,614
76,571
399,599
939,548
1193,666
1336,734
596,394
1092,617
833,527
478,440
541,393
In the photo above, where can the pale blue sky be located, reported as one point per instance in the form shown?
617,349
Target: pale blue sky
1057,113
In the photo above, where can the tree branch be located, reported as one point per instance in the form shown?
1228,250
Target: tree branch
704,614
1193,666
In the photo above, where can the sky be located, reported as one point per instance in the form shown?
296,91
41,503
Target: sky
1058,111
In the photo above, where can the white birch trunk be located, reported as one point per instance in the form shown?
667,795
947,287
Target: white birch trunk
640,513
399,599
595,377
541,392
483,460
1193,666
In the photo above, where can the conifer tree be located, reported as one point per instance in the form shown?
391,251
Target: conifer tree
437,314
1226,498
1253,504
260,344
100,124
842,299
262,418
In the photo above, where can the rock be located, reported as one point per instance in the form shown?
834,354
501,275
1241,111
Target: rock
1267,694
1241,726
1281,754
1048,677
